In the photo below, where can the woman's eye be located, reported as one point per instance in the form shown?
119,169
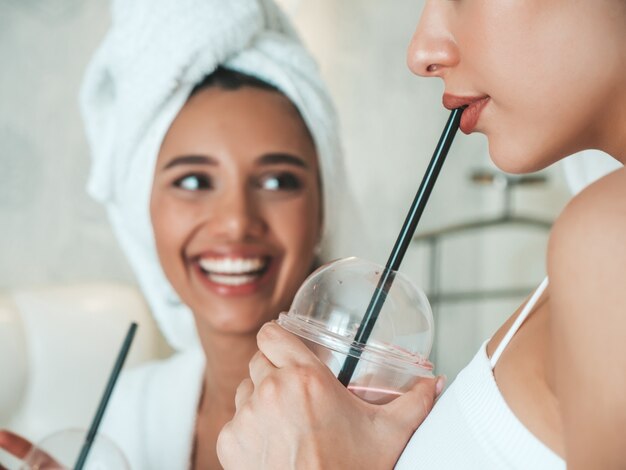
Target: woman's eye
280,182
195,182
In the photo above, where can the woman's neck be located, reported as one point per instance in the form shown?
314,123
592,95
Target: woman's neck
227,358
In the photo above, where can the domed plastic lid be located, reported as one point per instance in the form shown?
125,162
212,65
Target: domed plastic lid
329,306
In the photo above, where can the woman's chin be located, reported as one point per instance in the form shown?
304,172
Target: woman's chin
233,324
516,159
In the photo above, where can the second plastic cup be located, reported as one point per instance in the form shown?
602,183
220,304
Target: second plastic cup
327,311
60,450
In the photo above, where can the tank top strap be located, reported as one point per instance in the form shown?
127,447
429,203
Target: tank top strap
526,311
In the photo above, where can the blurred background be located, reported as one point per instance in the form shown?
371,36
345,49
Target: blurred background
53,235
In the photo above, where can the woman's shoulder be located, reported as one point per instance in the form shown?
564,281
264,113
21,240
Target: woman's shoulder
148,385
592,227
152,406
175,374
587,256
587,247
587,295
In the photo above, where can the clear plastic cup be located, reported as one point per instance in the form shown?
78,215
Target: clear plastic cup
327,311
60,451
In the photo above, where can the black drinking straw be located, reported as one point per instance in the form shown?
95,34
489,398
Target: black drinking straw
400,247
95,424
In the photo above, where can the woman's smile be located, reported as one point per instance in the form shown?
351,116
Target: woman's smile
235,271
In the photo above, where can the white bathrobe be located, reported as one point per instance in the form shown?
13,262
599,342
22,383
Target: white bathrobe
152,413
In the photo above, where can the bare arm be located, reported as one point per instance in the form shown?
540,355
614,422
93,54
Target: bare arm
587,269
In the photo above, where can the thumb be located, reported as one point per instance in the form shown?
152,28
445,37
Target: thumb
411,408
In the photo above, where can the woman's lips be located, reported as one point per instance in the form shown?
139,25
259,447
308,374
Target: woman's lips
474,106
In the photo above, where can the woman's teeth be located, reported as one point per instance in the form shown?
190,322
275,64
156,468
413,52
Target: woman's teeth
233,265
233,271
231,280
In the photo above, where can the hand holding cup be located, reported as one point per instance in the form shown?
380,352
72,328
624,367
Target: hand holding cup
294,413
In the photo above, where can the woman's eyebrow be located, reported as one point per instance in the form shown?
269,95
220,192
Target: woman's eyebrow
282,158
191,160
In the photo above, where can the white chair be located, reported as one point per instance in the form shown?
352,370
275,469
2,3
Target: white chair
57,348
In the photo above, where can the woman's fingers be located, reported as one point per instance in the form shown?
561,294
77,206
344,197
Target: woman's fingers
14,444
21,448
260,367
283,348
243,393
292,409
410,409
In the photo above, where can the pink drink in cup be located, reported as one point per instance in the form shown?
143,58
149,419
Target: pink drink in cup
378,396
328,309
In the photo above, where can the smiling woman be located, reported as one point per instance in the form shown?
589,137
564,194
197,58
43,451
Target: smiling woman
236,204
217,156
236,214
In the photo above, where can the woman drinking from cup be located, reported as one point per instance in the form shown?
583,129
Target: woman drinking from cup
542,79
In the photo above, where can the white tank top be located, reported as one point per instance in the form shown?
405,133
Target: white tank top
472,427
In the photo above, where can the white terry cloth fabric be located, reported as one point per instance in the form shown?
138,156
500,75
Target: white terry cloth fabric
139,79
152,413
583,168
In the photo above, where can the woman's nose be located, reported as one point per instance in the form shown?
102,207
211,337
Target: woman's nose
432,50
237,218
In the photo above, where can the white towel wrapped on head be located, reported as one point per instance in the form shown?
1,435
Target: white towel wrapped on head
155,52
